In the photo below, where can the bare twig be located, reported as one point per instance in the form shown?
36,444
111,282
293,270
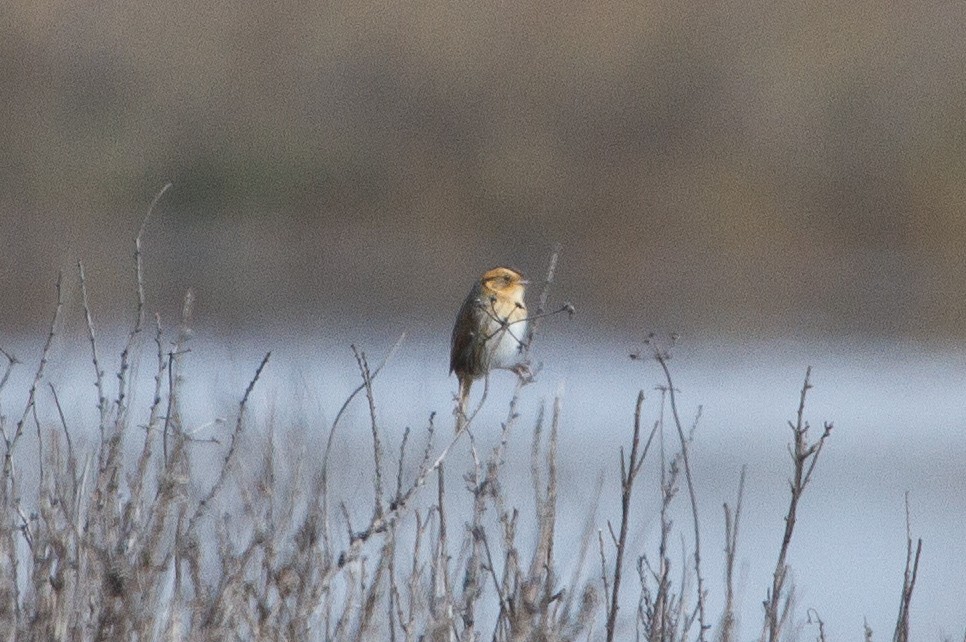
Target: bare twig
604,578
71,460
380,524
376,442
324,470
172,415
908,582
814,618
203,505
11,441
542,305
662,359
10,591
122,374
11,362
441,605
804,457
92,338
358,389
732,519
630,467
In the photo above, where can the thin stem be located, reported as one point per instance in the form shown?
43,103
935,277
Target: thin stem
662,359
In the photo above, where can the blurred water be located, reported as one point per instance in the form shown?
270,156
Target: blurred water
899,427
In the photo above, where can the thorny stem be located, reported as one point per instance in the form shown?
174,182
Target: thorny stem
376,442
122,373
91,336
11,441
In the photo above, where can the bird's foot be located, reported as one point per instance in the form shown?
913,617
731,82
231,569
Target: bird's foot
524,372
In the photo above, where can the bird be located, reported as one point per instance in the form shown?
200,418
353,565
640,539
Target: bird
490,330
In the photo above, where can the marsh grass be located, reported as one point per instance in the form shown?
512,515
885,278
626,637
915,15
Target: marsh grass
139,529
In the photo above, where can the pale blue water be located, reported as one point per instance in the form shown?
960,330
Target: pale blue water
898,410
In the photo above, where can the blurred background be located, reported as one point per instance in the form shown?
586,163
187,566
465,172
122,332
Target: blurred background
738,168
783,183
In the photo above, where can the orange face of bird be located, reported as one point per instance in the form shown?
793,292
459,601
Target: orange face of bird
503,282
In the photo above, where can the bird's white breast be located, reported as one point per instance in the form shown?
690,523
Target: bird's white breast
505,344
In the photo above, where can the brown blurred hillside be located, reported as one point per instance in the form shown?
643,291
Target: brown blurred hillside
736,167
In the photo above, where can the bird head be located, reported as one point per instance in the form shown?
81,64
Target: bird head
503,281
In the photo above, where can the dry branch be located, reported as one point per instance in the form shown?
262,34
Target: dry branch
804,456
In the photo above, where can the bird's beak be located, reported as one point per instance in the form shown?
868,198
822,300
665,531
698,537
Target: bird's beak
524,282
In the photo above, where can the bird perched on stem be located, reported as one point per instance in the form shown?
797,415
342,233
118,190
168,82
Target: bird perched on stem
490,330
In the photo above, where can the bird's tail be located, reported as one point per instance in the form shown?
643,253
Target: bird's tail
462,403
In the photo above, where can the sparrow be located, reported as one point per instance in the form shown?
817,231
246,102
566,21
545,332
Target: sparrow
490,329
